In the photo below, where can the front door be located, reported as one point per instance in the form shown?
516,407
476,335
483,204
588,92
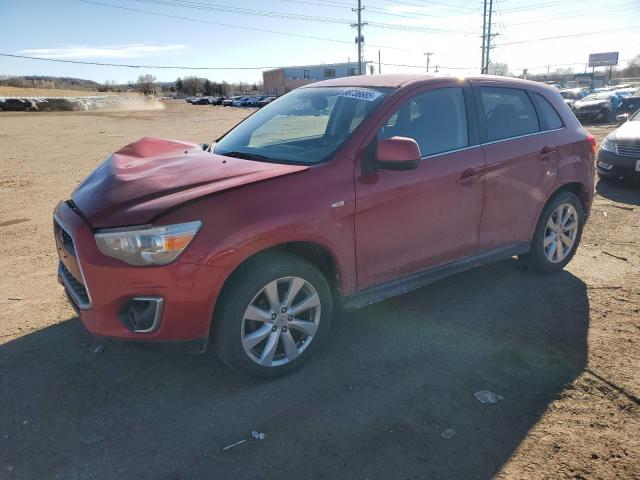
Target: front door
408,221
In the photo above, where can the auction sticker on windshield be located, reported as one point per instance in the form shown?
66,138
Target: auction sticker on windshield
361,94
638,166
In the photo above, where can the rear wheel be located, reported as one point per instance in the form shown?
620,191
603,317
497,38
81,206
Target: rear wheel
272,316
557,234
605,178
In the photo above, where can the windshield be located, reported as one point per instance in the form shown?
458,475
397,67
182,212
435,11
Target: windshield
305,126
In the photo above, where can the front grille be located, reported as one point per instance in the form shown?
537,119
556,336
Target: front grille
629,150
76,289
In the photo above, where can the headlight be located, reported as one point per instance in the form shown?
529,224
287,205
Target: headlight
609,146
147,245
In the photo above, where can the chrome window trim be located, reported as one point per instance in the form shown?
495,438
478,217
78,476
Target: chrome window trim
523,136
426,157
81,305
159,301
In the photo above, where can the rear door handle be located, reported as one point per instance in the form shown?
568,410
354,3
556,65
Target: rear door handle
547,152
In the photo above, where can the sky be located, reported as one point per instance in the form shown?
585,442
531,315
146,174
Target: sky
269,34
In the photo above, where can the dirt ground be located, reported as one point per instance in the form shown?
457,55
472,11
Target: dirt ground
563,350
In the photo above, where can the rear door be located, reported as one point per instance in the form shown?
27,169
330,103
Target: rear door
521,155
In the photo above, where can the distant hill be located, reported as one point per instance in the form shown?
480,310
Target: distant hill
43,81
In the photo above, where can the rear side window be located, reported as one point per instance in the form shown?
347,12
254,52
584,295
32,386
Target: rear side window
508,113
548,113
436,120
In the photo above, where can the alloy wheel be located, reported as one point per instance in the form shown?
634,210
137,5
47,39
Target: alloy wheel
280,321
560,233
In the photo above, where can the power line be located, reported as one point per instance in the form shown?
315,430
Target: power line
287,15
242,27
422,66
572,35
126,65
347,6
435,4
551,18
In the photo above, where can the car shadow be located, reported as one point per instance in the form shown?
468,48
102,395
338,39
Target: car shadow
371,404
622,191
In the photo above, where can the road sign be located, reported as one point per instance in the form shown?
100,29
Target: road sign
606,59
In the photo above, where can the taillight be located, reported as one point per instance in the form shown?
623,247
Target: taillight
592,141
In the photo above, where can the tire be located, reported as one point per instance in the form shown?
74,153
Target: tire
608,116
606,178
542,257
234,332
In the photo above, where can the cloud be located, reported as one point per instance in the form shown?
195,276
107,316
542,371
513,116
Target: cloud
132,50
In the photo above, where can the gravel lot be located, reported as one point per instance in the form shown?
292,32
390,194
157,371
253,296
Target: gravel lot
563,350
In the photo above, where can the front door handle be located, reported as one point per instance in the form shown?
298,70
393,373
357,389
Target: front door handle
469,177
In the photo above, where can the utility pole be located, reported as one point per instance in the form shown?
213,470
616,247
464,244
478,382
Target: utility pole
484,35
379,64
359,38
488,41
428,55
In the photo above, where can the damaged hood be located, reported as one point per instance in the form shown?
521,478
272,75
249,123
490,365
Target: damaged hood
147,177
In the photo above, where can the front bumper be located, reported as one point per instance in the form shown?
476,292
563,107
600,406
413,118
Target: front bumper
98,287
613,165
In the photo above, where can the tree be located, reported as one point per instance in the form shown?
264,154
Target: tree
208,87
192,85
179,86
145,83
498,69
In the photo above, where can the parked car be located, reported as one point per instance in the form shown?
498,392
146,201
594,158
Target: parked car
238,102
18,105
570,95
252,101
216,100
265,101
597,107
388,183
228,102
202,101
630,103
619,153
625,92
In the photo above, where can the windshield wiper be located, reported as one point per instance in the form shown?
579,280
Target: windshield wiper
247,156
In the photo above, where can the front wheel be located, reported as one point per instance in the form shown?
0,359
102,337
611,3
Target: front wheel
274,313
557,234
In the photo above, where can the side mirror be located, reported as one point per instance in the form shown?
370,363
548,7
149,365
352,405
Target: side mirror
622,118
398,153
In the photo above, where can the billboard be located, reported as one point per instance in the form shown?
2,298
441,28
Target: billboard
603,59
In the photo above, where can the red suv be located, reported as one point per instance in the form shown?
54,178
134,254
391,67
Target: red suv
344,192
